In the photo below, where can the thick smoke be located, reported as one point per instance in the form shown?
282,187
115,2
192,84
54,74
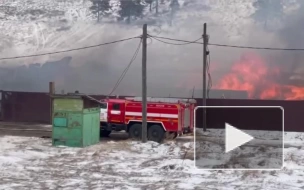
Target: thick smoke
172,70
289,35
293,37
91,70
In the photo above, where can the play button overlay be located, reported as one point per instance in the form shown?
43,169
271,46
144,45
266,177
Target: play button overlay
235,138
239,137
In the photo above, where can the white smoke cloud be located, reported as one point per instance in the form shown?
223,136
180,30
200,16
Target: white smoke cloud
97,70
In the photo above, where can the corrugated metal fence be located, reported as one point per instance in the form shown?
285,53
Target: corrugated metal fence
293,110
25,107
35,107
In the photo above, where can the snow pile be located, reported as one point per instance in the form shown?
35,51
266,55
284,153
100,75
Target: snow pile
211,154
12,151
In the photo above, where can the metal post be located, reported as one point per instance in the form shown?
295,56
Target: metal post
1,105
98,10
205,38
51,92
144,84
156,8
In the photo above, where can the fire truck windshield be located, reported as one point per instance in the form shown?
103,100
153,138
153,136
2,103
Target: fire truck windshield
103,105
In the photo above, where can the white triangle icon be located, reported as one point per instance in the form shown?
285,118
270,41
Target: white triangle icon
235,138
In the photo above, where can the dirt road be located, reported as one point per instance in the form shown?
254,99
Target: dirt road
43,131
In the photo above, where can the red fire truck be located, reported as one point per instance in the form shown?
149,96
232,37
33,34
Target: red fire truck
166,117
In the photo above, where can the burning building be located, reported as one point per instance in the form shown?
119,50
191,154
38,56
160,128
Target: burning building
261,80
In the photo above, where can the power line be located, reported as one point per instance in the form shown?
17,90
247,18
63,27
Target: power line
263,48
126,69
173,39
155,38
69,50
224,45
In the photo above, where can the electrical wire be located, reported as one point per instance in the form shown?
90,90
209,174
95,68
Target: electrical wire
188,42
224,45
158,39
208,61
151,41
126,69
69,50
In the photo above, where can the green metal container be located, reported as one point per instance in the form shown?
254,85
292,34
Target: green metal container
76,121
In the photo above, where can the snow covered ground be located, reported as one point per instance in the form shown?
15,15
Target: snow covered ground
34,164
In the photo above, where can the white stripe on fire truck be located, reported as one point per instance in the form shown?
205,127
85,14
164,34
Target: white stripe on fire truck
115,112
152,115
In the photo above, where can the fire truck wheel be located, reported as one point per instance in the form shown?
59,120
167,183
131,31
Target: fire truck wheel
135,131
105,133
156,133
175,135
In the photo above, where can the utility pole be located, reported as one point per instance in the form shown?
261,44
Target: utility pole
156,7
51,93
98,10
205,38
193,92
144,84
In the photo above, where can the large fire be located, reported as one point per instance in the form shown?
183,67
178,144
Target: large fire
252,74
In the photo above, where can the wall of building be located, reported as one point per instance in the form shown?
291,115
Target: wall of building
25,107
293,119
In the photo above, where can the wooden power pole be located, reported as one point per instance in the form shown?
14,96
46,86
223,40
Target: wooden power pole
156,7
205,38
98,11
144,84
51,92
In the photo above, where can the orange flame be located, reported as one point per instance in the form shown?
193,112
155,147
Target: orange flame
251,74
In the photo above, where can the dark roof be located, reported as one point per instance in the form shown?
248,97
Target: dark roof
227,94
76,96
163,100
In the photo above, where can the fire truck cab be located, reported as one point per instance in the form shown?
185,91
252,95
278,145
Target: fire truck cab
112,116
166,117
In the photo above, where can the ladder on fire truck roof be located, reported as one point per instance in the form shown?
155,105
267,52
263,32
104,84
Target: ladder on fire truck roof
87,96
163,100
